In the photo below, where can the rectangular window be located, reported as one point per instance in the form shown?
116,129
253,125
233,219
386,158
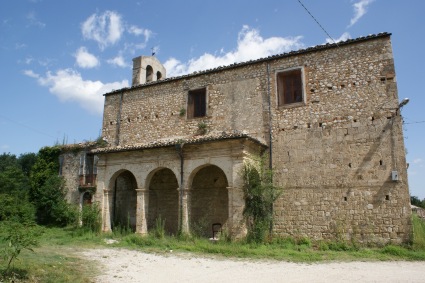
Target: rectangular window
197,103
289,87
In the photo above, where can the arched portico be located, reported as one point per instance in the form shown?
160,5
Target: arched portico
163,200
209,199
122,200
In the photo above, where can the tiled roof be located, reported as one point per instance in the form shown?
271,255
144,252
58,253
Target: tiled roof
176,141
273,57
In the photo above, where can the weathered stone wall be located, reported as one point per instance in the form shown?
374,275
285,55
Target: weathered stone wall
152,112
333,153
70,168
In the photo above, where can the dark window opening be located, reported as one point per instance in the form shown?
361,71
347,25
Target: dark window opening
289,87
197,103
158,76
149,73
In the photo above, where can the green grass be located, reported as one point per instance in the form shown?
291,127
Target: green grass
56,259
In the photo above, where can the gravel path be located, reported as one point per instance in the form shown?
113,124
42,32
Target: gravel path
121,265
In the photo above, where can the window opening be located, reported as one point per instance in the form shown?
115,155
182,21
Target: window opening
149,73
196,103
158,76
289,87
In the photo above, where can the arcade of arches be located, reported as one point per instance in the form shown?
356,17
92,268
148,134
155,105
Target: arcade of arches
208,202
139,189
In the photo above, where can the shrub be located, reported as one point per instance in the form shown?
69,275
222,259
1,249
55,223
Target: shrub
90,218
259,193
18,236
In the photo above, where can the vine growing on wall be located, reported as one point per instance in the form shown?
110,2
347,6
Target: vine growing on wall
260,194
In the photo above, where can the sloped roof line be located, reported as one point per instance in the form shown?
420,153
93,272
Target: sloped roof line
264,59
176,141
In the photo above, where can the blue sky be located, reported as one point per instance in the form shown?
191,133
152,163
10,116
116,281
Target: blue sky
58,57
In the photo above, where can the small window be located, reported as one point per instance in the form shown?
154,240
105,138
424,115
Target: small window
290,87
196,103
158,75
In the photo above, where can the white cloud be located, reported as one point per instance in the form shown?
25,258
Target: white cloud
417,160
85,59
33,20
118,61
68,85
360,8
250,45
31,74
106,29
140,31
343,37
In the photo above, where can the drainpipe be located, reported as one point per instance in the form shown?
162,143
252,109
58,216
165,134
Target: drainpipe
270,117
179,149
117,136
270,142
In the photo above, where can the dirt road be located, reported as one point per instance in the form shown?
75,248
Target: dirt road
120,265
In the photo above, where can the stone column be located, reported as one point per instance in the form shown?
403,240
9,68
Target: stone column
230,209
107,199
236,206
141,211
184,195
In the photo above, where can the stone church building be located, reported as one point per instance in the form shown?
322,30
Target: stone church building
328,117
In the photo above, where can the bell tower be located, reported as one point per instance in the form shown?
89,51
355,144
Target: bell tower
147,69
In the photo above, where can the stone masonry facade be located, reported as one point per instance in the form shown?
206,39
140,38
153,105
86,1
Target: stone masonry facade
328,116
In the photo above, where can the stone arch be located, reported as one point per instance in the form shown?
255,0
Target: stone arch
158,75
149,73
209,199
123,186
163,200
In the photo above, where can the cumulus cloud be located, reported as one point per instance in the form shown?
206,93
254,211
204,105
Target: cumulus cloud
343,37
360,8
106,29
118,61
68,85
85,59
250,45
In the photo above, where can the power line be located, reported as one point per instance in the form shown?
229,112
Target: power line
418,122
318,23
28,127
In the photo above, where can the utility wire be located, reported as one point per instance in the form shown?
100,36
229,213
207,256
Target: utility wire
28,127
418,122
318,23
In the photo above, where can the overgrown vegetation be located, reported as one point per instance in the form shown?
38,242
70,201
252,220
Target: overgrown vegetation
32,194
260,194
416,201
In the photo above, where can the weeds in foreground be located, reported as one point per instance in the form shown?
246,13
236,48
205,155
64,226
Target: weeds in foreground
53,262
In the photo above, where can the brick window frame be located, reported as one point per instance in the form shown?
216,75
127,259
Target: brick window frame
290,87
197,103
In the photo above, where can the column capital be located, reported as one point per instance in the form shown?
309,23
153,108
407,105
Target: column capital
107,191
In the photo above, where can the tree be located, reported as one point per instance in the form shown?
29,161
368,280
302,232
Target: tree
48,190
46,165
416,201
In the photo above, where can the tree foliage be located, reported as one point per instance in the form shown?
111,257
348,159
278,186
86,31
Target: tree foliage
416,201
260,194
